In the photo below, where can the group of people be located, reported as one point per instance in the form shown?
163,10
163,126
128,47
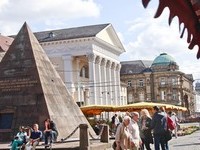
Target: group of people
139,132
34,136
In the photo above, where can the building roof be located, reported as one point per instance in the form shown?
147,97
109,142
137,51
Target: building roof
189,76
135,67
5,42
163,59
69,33
102,32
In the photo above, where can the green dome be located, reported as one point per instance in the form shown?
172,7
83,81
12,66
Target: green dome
163,60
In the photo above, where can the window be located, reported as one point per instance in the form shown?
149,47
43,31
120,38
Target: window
122,98
174,81
6,120
174,95
130,71
162,81
141,83
163,95
84,72
148,80
125,98
129,84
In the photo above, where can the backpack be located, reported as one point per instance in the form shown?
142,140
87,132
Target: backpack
170,124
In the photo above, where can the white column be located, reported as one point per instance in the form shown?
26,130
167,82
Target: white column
68,73
109,84
103,81
118,86
113,77
78,85
98,80
92,79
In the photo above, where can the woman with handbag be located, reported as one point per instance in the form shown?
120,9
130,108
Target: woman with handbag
122,136
145,129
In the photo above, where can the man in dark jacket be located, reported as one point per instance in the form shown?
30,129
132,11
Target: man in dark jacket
159,126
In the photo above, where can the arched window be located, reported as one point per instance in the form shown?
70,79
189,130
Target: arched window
84,72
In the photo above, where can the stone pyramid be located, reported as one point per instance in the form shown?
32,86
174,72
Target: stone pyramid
31,90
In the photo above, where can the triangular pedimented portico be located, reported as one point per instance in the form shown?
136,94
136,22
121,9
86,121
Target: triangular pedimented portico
31,90
109,35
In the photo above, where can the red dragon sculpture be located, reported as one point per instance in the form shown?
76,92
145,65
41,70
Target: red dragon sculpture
188,13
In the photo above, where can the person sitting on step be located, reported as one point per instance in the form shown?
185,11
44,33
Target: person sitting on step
50,132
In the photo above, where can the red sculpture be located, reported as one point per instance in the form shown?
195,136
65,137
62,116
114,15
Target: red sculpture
188,13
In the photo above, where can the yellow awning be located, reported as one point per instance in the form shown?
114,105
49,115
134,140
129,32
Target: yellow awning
148,105
98,109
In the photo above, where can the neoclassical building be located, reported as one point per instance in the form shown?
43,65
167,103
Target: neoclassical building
158,81
87,59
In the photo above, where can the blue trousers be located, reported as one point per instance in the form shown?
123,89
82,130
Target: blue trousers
159,140
15,144
52,135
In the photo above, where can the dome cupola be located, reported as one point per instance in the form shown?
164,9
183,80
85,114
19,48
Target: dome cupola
164,62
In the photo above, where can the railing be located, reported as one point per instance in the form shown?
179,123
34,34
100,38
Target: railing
84,135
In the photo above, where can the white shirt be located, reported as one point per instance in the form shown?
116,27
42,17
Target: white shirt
116,120
135,133
21,135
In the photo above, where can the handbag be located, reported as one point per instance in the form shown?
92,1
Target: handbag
168,135
114,145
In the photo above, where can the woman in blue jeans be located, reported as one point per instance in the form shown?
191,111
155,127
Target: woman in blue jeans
50,132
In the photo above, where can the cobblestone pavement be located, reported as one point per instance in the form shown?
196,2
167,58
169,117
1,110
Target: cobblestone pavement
188,142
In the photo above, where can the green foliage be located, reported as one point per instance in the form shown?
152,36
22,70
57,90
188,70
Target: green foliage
188,130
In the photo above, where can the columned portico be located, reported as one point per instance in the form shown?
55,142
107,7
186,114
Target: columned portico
88,64
104,81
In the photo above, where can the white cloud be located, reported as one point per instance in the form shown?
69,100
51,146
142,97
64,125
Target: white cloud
150,37
47,12
3,4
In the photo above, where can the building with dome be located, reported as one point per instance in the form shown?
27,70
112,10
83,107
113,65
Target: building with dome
158,81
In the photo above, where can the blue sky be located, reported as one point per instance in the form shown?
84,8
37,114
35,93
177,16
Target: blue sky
142,36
